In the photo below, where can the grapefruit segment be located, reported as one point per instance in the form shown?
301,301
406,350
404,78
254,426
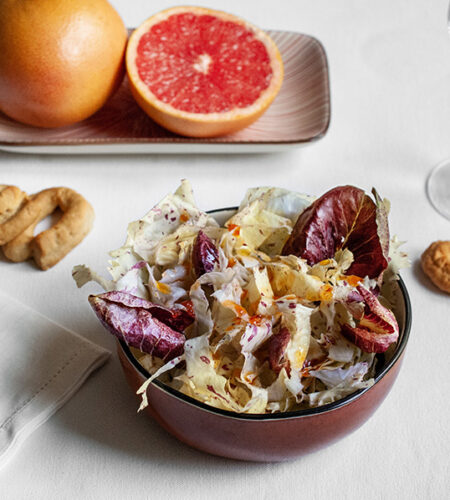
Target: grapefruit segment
202,73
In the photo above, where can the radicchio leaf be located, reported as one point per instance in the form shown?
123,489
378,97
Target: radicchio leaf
377,329
141,324
276,346
183,317
204,254
344,217
177,318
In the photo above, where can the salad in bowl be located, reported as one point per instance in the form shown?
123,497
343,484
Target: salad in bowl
285,306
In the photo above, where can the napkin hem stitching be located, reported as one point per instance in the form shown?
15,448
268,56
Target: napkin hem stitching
41,389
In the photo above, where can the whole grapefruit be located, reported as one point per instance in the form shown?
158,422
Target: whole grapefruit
60,60
201,72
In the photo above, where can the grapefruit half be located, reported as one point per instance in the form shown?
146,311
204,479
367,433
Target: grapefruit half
202,73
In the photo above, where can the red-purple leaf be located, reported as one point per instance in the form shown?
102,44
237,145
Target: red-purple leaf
365,339
377,329
177,318
182,317
139,323
277,345
204,254
344,217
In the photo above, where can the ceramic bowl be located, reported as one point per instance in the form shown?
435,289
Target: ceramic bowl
269,437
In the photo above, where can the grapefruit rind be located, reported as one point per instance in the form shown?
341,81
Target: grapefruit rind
201,124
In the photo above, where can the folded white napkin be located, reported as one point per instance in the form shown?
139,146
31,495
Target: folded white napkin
41,367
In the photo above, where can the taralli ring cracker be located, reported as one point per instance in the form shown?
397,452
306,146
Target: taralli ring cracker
11,200
436,264
50,246
19,249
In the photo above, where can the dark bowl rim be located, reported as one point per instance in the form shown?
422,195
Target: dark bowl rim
308,412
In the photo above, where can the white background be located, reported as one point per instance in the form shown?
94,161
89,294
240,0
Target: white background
390,93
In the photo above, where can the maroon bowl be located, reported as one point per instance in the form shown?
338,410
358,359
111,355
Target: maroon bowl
269,437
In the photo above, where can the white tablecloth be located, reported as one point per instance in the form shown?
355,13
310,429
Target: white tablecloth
390,91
